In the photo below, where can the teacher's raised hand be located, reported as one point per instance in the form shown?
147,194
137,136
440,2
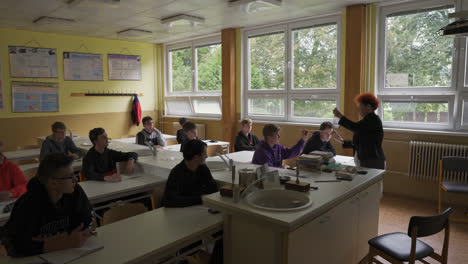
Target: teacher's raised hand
337,113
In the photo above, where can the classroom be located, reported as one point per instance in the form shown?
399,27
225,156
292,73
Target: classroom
233,131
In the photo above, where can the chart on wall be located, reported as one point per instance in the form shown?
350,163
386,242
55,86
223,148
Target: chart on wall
30,62
82,67
35,97
124,67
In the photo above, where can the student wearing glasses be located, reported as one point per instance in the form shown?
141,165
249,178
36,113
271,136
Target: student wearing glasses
12,180
150,134
190,179
99,164
320,140
271,152
59,143
53,214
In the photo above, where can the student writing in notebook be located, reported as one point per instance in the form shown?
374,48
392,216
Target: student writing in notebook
53,214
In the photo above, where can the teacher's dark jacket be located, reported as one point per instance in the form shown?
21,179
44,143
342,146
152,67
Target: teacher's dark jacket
367,138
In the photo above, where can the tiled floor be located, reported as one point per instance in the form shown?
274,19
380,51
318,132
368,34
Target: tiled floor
396,211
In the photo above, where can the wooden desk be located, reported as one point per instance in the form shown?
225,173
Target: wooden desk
147,237
22,154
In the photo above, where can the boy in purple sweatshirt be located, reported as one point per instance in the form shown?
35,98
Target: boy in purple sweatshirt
271,152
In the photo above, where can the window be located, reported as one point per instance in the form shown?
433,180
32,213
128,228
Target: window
194,78
417,68
292,71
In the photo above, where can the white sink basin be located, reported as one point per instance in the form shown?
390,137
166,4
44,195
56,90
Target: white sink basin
216,165
278,200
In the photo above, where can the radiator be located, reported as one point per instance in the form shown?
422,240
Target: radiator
424,160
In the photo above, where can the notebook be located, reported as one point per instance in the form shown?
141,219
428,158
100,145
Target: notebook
68,255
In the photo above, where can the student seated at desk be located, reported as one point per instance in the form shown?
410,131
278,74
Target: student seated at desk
99,164
190,179
320,140
53,214
271,152
150,134
12,181
245,140
190,130
181,137
59,143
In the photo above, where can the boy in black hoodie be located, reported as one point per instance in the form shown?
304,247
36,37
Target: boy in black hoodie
53,214
99,164
245,140
190,179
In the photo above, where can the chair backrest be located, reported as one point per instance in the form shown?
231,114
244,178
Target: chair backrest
451,163
170,142
121,212
429,225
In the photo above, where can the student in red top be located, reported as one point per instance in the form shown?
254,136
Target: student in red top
12,181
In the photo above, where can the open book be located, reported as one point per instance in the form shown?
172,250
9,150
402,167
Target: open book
68,255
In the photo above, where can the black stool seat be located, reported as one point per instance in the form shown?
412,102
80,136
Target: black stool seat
398,246
456,187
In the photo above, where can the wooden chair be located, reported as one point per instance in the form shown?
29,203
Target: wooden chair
26,161
401,247
452,165
170,142
157,197
123,211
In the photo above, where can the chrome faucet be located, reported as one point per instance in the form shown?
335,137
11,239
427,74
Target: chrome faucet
152,148
228,164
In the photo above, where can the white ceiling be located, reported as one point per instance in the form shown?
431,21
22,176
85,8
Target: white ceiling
101,20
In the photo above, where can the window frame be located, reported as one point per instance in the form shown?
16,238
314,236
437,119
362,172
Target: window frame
420,94
288,93
194,93
419,99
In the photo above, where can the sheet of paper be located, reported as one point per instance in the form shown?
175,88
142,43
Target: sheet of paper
93,244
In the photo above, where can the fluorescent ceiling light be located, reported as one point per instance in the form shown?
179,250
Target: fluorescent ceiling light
182,20
134,33
43,20
254,6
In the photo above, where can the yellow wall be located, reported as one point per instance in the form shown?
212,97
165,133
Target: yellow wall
82,105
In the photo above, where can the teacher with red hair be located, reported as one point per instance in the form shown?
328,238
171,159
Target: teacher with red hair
367,133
